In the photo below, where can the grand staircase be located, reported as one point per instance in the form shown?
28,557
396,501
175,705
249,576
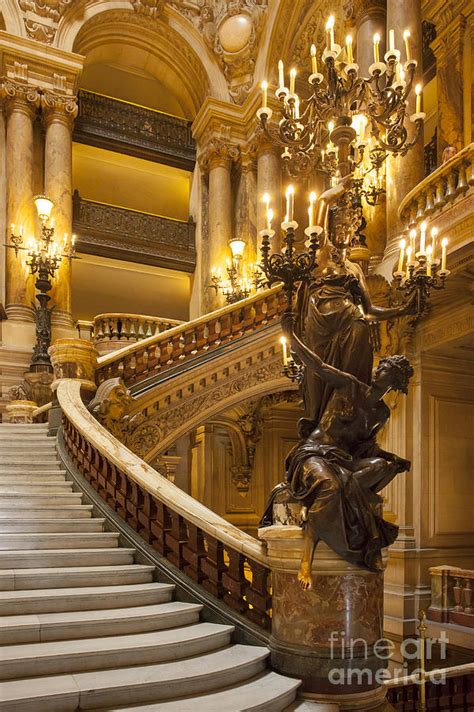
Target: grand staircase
82,626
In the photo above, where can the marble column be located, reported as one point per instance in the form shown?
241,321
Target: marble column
371,17
403,173
449,49
217,160
3,203
59,113
269,181
21,102
246,206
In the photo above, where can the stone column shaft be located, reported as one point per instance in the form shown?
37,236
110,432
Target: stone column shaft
21,102
59,113
403,173
269,181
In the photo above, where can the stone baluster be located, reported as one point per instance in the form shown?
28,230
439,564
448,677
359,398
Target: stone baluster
59,112
21,102
403,174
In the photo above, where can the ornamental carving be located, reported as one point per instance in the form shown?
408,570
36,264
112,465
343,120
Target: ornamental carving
110,405
41,18
15,95
231,30
150,8
55,106
217,151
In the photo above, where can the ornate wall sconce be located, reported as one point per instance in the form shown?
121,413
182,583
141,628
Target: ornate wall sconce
44,256
238,284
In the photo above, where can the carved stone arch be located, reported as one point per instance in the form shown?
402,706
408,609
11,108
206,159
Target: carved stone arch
11,19
88,24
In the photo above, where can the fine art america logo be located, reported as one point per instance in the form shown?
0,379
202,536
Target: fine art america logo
411,649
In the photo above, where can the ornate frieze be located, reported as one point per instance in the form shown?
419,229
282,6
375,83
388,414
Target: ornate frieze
118,125
130,235
41,18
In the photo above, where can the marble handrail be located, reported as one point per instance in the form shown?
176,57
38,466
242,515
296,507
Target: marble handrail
192,537
451,595
152,355
440,188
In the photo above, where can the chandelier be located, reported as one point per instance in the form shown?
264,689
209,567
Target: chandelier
43,256
329,130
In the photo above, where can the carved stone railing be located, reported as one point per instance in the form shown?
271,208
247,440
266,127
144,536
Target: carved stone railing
180,344
454,692
451,596
120,126
120,233
438,190
114,331
225,561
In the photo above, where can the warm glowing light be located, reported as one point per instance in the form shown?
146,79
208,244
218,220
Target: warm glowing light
376,48
401,256
406,37
284,346
237,247
264,86
281,77
418,90
44,206
314,61
292,80
350,56
290,203
330,32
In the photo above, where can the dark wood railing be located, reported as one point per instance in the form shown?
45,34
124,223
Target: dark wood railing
111,231
455,692
227,562
151,356
136,130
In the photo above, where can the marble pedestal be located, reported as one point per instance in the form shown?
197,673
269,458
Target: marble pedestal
330,636
20,411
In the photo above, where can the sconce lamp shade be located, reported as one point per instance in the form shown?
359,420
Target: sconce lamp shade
237,247
44,206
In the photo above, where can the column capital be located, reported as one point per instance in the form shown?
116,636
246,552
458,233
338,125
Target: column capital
218,153
369,8
58,108
19,97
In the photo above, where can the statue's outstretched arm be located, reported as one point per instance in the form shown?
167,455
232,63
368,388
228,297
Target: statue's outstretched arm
380,313
337,378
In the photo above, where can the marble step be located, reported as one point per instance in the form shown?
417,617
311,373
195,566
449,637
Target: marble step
267,692
24,526
13,441
41,465
24,428
23,454
55,558
131,685
80,598
68,577
30,500
90,654
34,478
88,624
20,487
18,510
72,540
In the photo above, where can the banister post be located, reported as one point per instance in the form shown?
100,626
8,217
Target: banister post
72,358
330,636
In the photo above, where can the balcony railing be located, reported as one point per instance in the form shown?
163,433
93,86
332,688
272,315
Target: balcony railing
451,596
111,231
120,126
441,188
110,332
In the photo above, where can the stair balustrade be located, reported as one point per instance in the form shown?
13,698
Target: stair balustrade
112,331
225,561
181,343
451,596
439,189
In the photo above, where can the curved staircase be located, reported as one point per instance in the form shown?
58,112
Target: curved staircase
83,626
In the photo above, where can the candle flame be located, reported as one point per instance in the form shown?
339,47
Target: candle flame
312,196
406,34
264,85
330,22
313,50
423,226
403,244
444,242
290,190
434,231
418,89
282,340
348,39
376,38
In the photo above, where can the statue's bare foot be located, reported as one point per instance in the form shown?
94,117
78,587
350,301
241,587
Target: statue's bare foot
305,579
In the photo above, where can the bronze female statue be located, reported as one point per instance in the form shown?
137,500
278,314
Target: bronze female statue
334,311
336,472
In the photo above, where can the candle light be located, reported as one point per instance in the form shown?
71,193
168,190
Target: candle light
376,47
292,80
418,98
350,56
422,237
391,40
290,203
401,257
444,248
281,77
266,201
312,201
434,235
429,257
406,37
412,241
12,228
21,230
314,61
408,261
297,108
284,346
269,218
73,241
330,32
264,94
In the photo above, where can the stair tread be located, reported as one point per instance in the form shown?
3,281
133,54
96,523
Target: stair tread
244,697
124,681
95,646
79,569
28,594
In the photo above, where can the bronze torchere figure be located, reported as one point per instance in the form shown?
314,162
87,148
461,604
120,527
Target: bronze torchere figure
333,311
336,471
